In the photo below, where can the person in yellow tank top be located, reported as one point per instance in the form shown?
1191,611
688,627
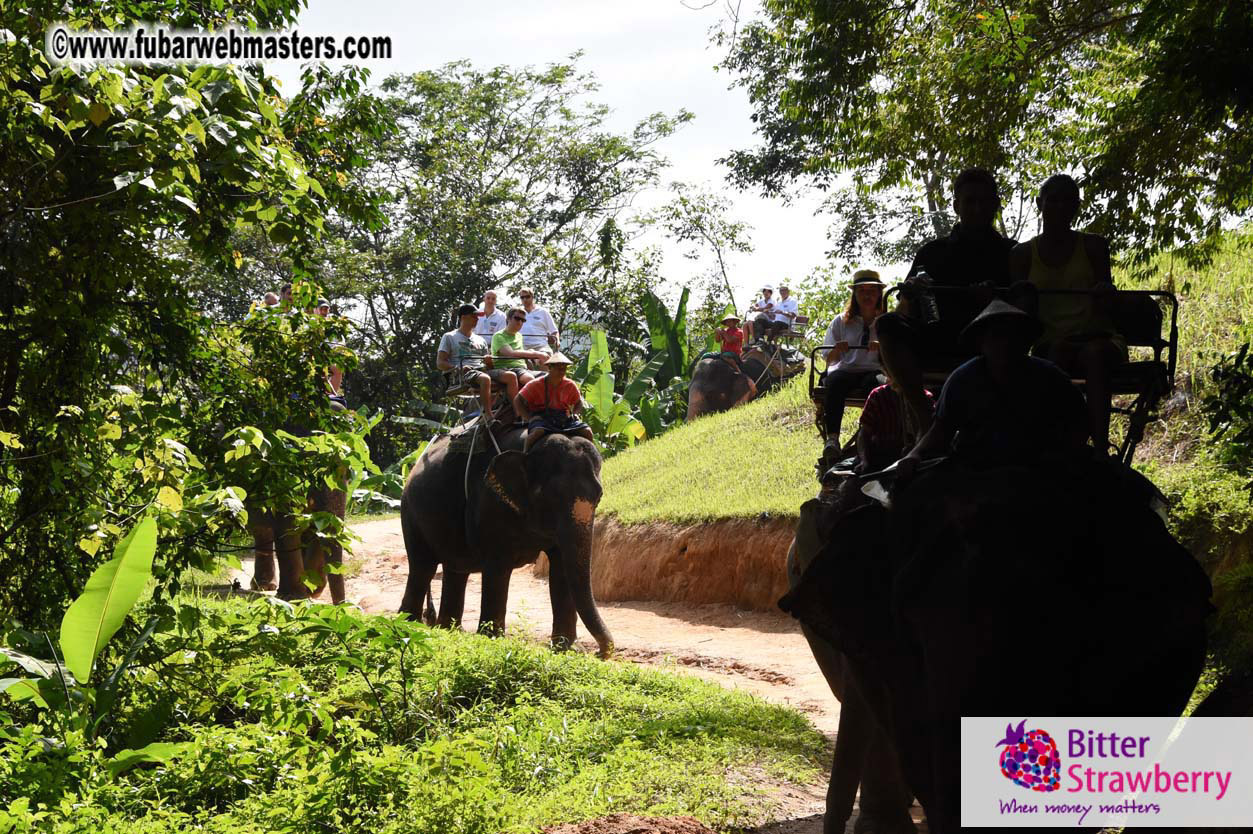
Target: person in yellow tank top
1079,335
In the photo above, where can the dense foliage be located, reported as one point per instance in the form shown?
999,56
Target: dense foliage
1149,100
114,389
264,717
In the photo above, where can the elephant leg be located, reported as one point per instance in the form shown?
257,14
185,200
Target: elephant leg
452,600
565,615
263,558
495,600
291,561
338,505
315,564
422,564
885,799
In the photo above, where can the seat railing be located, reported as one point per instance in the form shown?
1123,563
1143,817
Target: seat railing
1169,344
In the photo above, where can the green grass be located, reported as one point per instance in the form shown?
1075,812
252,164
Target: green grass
480,736
757,458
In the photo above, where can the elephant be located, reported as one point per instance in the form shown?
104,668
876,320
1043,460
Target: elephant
1002,591
491,512
274,535
864,755
718,386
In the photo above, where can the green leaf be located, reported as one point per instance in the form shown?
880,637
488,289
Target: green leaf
169,498
159,751
599,388
9,439
31,664
23,689
98,113
111,592
645,378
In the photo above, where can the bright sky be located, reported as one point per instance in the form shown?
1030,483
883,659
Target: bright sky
648,56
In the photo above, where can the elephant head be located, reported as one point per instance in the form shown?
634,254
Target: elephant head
548,496
717,386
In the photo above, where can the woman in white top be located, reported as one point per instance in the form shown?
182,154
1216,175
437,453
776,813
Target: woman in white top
853,363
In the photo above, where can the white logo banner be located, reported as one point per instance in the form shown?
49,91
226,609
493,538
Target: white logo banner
1106,772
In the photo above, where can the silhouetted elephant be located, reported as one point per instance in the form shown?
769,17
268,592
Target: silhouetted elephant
998,592
864,755
492,513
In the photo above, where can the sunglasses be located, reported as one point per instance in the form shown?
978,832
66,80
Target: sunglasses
518,318
526,296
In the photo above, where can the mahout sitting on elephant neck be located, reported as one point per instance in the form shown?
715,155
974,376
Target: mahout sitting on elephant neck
942,602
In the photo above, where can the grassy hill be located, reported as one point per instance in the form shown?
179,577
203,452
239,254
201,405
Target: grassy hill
758,458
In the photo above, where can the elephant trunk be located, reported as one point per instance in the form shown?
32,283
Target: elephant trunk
575,545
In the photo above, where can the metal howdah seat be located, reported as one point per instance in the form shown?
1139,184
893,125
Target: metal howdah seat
1139,317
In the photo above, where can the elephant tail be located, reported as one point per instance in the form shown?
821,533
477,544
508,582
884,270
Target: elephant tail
428,612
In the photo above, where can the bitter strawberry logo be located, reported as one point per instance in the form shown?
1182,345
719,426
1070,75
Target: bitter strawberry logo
1030,758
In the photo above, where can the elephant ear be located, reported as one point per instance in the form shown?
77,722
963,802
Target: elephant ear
505,490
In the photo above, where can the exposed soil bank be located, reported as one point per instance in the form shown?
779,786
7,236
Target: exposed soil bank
740,562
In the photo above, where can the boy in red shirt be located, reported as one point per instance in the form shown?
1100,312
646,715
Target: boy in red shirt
548,404
731,337
732,340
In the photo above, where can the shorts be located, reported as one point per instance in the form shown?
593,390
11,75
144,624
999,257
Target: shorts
467,376
499,374
554,421
937,346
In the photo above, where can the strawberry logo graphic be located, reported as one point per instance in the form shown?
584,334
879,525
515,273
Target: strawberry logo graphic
1030,759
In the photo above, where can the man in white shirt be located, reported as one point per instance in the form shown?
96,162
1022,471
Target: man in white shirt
540,331
760,315
491,320
785,310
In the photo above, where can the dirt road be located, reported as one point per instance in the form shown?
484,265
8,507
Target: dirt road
761,653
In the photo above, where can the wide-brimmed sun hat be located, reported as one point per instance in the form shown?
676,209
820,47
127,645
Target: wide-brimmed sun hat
558,358
866,278
730,317
1027,327
765,287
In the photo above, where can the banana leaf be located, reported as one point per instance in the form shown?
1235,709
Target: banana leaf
112,590
646,378
650,417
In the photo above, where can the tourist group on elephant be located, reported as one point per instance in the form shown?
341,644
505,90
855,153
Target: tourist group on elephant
963,534
981,552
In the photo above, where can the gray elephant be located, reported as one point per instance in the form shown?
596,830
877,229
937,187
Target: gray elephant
275,538
492,512
972,576
718,386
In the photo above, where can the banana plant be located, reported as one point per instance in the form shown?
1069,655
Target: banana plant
63,683
669,335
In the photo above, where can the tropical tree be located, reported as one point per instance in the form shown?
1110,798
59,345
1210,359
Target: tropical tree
898,97
116,178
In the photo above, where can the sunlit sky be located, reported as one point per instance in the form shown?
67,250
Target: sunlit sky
648,56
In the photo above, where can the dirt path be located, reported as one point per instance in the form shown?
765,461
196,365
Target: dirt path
761,653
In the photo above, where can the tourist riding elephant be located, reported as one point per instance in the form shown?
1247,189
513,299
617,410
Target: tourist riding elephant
492,512
1003,592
